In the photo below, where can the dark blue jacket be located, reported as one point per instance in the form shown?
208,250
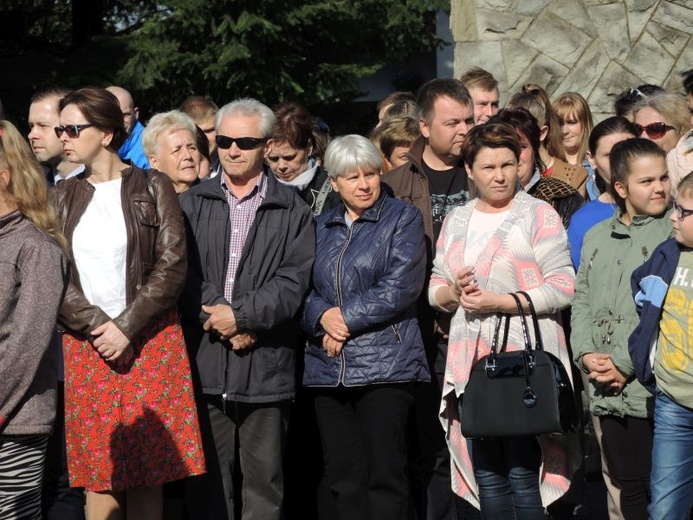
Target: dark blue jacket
374,272
650,283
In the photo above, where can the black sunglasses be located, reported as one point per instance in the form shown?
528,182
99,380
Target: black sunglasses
682,212
653,130
72,131
244,143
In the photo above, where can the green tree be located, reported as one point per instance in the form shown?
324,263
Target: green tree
311,50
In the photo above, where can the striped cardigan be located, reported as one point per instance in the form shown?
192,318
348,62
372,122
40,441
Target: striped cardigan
529,252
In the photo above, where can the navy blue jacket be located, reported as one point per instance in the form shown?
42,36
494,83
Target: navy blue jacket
650,283
374,272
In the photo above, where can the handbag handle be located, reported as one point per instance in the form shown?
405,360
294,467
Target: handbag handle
523,322
539,344
496,333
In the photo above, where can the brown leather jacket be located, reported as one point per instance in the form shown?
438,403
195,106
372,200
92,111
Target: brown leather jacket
156,251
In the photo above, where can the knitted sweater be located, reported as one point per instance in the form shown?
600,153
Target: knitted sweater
33,274
528,252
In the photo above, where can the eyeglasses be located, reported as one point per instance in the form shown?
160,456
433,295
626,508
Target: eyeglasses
244,143
653,130
681,212
72,131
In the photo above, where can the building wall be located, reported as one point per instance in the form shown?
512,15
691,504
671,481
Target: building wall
595,47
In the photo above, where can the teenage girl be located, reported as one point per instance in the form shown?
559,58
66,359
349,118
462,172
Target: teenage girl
604,314
602,139
576,126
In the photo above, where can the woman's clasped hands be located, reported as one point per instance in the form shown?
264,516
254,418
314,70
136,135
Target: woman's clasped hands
336,330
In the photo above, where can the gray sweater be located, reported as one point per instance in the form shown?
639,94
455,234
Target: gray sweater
33,274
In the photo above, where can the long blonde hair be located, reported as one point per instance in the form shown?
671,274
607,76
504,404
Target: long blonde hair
572,103
27,189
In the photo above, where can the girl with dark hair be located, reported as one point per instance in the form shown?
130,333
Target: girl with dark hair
130,418
604,315
33,274
602,139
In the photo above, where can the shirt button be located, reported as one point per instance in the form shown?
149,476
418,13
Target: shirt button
233,255
235,231
619,262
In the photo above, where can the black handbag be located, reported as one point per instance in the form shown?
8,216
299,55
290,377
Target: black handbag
519,393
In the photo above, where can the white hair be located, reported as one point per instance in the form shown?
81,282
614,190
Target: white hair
165,122
248,107
350,153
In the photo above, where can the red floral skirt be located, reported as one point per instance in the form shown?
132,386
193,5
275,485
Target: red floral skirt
133,425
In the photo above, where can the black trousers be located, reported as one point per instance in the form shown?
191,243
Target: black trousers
364,436
627,443
251,435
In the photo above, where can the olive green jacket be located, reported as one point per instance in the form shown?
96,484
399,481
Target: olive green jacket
603,311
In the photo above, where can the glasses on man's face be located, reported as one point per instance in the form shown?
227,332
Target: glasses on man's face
682,212
653,130
72,131
244,143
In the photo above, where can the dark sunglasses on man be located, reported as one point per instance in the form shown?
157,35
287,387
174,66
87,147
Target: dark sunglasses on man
653,130
244,143
72,131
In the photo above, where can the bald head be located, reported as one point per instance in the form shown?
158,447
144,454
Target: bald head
127,107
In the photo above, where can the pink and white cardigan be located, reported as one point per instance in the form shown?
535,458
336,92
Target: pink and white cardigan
529,252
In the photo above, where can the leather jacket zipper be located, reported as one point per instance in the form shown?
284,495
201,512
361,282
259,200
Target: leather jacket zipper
342,367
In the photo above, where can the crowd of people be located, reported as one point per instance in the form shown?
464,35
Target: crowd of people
230,307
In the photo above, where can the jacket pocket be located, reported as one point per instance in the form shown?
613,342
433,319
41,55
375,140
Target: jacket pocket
145,211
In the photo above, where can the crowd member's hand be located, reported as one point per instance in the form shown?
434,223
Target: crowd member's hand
333,323
482,301
243,340
110,342
609,376
465,283
332,346
221,321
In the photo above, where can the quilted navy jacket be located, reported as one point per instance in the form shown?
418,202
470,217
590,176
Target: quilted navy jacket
374,272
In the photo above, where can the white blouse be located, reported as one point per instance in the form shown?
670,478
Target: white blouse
99,245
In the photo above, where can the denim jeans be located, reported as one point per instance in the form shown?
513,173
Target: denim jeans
672,461
507,473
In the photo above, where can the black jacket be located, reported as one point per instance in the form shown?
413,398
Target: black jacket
272,280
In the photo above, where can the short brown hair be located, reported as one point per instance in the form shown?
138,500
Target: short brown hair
490,135
398,131
395,97
102,109
293,125
476,77
448,87
199,108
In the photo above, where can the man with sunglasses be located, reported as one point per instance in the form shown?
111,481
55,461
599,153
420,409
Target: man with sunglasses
251,250
131,150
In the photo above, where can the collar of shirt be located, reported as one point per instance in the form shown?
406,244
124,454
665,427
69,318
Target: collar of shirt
59,178
260,188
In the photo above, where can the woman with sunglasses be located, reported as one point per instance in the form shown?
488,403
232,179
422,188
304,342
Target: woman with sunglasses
131,423
604,315
33,274
662,118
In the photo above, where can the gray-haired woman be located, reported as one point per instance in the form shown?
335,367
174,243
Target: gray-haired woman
365,349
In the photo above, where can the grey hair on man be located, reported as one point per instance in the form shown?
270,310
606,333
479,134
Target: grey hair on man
248,107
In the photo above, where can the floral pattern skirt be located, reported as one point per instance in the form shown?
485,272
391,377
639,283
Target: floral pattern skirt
133,425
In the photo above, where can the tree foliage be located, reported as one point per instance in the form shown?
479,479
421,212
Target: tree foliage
312,50
315,51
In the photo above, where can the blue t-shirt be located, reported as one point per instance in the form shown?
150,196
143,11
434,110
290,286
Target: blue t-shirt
587,216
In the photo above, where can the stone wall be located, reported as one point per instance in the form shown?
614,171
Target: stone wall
594,47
